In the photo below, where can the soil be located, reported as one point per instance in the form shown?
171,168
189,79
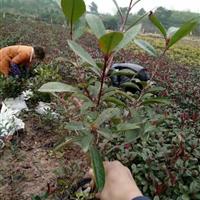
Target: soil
28,165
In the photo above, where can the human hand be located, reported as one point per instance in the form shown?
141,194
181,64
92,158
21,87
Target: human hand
119,183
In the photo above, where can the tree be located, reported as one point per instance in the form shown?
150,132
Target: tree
110,22
163,14
124,10
93,8
141,12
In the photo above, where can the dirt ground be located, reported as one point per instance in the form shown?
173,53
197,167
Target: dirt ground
28,165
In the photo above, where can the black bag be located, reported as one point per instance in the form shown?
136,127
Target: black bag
118,80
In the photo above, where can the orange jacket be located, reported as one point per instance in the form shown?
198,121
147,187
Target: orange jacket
18,54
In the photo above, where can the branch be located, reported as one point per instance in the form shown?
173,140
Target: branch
126,18
119,10
106,58
139,19
135,3
154,73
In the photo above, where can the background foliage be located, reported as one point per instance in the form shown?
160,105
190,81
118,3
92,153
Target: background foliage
49,11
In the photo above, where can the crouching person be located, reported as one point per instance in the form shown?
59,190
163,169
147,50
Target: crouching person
15,60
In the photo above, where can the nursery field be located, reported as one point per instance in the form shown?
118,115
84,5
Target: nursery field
165,162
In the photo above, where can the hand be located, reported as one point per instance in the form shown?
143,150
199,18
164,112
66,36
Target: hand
14,69
119,183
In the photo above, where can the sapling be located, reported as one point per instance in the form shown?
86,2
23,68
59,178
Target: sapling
107,112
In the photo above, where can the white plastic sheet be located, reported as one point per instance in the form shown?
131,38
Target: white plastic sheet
14,106
45,108
9,121
10,110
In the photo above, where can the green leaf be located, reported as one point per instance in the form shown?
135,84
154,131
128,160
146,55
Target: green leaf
73,9
147,95
86,107
106,132
96,25
80,28
138,20
109,41
111,91
84,140
185,197
129,36
115,101
156,198
156,100
171,31
130,85
195,186
84,55
94,89
108,94
57,87
41,197
146,46
138,118
36,197
67,141
158,24
131,136
124,72
184,30
127,126
156,89
97,165
148,128
83,97
129,96
106,115
75,126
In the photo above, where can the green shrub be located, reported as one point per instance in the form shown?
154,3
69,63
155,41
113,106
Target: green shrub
11,40
11,87
165,166
40,75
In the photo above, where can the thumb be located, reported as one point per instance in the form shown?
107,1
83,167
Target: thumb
98,195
